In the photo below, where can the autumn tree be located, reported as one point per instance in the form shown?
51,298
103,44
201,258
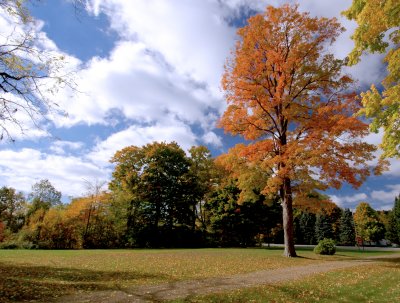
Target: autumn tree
43,196
286,93
30,71
368,227
378,32
94,194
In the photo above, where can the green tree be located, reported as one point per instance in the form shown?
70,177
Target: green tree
44,195
323,227
367,224
378,32
347,234
237,223
307,227
205,176
393,231
160,186
11,208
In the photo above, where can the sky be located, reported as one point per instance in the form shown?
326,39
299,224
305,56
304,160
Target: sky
150,70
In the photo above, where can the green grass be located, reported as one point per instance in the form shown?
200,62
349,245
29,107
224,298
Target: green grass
371,283
41,274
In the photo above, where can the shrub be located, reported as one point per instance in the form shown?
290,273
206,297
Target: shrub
14,244
325,247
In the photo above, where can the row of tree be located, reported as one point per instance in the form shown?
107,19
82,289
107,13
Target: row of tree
160,196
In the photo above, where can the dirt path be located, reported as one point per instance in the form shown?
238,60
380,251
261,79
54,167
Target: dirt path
184,289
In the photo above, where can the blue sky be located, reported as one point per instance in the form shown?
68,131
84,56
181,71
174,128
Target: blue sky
150,70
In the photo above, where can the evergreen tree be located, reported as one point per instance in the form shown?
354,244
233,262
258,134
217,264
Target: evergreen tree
393,232
323,227
307,227
347,233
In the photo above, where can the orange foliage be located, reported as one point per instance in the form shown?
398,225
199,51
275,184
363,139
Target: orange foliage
315,206
287,94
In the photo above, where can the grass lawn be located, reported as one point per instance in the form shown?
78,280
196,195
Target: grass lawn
372,283
41,274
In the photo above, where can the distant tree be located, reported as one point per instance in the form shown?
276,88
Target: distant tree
393,230
30,73
94,194
367,224
205,176
323,227
378,31
307,227
237,223
44,195
11,208
347,234
158,181
287,94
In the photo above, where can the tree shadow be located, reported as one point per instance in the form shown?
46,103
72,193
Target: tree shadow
45,283
387,260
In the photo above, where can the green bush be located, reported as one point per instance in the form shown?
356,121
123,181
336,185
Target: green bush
325,247
13,244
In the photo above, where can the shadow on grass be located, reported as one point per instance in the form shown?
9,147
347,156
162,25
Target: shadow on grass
388,260
43,283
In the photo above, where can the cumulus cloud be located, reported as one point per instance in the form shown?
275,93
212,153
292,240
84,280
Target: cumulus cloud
192,36
388,195
140,84
212,139
21,169
61,147
349,201
141,135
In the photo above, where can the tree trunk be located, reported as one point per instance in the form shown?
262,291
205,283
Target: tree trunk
287,201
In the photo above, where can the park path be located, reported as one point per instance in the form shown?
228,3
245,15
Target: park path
189,288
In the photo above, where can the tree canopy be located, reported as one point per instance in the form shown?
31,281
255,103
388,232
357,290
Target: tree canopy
287,94
378,32
368,227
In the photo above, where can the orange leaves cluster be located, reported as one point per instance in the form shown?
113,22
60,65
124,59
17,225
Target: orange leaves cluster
287,94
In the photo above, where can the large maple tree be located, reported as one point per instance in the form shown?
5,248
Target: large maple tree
287,94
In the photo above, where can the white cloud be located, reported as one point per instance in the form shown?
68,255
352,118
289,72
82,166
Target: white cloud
141,85
213,139
141,135
21,169
351,199
388,195
60,147
191,35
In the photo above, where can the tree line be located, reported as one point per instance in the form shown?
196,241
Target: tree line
160,196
